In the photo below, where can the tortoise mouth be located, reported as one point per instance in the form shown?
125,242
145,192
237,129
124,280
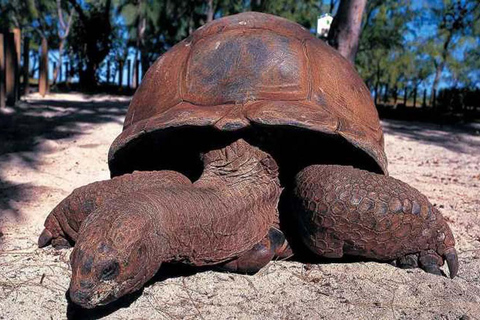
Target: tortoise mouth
293,149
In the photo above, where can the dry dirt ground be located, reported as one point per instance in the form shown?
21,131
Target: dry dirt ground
50,146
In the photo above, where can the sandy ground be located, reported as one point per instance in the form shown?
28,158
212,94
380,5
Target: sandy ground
50,146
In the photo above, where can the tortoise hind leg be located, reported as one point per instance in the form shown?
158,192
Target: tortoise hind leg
250,262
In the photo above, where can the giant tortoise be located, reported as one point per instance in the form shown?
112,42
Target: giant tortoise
246,104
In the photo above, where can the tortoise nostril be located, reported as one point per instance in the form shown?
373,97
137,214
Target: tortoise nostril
79,296
86,284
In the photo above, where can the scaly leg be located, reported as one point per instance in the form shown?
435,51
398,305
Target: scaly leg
373,216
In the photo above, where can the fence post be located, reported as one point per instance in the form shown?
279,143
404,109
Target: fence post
108,71
120,73
434,98
67,71
129,73
385,94
2,72
415,97
424,104
136,72
26,65
17,38
11,69
43,86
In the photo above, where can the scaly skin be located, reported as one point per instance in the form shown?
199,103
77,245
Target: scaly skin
348,211
219,218
63,223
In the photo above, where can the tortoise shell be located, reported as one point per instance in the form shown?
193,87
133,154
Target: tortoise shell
252,69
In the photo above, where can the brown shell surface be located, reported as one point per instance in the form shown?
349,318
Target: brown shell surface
254,68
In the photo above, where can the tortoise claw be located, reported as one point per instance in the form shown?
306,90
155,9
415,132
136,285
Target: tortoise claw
430,262
433,269
45,238
452,261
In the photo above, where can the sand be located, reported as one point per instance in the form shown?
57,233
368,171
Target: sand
51,145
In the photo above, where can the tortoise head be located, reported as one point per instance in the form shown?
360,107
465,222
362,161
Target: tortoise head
111,258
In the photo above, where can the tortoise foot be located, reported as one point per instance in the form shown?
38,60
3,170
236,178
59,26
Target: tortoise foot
430,261
250,262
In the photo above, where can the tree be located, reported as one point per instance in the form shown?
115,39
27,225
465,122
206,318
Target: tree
384,57
91,38
63,31
457,24
345,31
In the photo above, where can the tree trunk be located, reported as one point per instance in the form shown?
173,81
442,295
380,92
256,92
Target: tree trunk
88,77
56,70
129,73
209,11
332,6
2,72
43,73
395,96
385,94
26,65
11,69
345,31
108,71
441,65
120,74
438,74
144,62
415,97
17,33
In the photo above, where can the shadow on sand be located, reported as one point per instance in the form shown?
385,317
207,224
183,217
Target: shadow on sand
453,137
26,125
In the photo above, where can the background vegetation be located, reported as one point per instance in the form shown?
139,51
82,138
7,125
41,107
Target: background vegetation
415,44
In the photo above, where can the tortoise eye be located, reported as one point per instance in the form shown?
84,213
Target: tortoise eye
110,271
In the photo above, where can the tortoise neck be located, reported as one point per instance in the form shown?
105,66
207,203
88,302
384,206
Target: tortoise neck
238,164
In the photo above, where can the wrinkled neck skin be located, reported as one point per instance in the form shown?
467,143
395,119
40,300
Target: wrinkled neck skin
225,213
238,166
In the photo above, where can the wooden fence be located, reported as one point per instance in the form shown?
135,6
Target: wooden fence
15,73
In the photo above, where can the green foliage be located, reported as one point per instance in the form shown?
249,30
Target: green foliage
456,29
304,12
411,43
36,19
383,56
393,49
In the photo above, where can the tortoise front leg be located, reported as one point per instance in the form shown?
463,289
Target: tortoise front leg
343,210
273,245
63,223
